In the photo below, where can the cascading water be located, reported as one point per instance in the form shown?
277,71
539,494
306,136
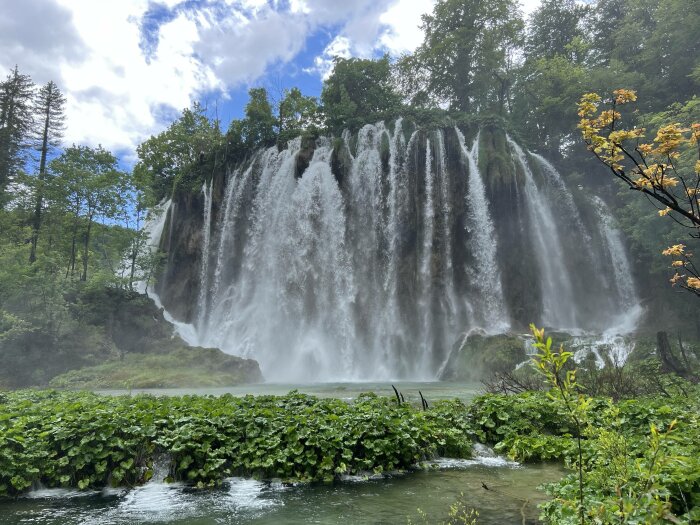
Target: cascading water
204,272
558,298
485,276
153,229
561,195
375,271
426,256
621,268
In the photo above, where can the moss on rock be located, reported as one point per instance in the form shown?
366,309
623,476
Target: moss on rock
478,356
181,367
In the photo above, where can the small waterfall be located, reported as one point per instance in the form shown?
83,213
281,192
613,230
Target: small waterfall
153,229
628,310
558,298
615,248
426,256
202,301
156,223
562,194
563,197
486,276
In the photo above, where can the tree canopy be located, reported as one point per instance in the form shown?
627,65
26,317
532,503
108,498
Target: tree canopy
357,92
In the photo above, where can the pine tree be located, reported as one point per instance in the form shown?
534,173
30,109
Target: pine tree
48,107
16,93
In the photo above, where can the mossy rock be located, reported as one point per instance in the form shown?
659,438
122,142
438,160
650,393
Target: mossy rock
181,367
478,356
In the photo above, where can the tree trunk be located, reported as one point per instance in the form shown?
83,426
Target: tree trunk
668,360
36,221
85,248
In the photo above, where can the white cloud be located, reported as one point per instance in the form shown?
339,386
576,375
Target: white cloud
240,49
323,64
402,21
40,38
118,94
114,93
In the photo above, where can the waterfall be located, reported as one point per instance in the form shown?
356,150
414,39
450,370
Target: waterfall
426,256
486,276
153,229
559,302
205,255
562,194
629,310
368,258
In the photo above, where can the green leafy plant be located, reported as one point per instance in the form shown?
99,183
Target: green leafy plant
84,440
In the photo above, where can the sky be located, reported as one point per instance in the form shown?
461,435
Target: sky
129,67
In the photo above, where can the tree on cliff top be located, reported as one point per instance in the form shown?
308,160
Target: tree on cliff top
359,91
176,150
466,55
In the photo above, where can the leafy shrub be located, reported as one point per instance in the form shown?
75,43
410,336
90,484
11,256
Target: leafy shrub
87,440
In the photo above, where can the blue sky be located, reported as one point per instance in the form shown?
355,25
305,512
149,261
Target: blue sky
128,67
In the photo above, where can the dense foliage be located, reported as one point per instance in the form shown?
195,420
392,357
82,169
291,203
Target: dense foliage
86,440
625,458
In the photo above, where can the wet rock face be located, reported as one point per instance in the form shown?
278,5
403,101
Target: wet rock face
478,356
181,240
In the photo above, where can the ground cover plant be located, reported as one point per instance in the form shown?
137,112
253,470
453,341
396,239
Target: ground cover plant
85,440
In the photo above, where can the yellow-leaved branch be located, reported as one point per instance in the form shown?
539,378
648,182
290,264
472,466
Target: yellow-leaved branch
666,169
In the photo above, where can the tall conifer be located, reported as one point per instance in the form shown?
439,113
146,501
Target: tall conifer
50,124
16,93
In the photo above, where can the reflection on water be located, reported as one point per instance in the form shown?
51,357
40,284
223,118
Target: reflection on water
511,494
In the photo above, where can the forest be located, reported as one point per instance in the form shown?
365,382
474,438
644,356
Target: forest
606,91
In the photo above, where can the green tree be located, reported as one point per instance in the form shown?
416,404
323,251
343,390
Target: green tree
49,106
671,52
297,113
90,188
556,28
16,93
603,24
656,39
357,92
259,123
546,90
177,151
465,51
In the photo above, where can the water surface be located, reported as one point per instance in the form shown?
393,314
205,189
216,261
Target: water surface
511,495
431,390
